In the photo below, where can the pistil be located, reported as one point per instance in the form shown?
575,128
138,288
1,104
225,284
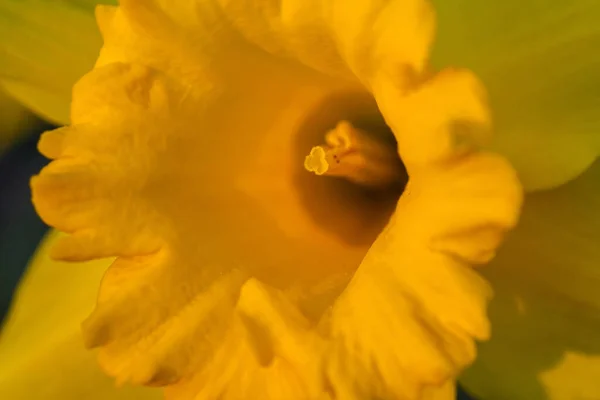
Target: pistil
357,156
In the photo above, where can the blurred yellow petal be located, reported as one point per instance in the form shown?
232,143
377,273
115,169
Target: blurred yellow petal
546,315
41,351
45,47
184,160
540,63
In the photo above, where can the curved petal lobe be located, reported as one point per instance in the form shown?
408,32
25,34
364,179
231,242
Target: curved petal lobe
540,63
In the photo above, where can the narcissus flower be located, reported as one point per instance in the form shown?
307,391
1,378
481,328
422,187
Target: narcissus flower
239,274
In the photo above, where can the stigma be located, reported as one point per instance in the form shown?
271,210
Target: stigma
357,156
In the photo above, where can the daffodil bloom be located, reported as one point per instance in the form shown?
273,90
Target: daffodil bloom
239,274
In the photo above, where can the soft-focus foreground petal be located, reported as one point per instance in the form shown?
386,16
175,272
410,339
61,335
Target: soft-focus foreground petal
45,47
546,314
184,160
540,63
15,120
42,355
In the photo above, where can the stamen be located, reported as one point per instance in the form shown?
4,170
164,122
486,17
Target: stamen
357,156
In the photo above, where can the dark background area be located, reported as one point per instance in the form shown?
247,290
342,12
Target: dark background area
20,228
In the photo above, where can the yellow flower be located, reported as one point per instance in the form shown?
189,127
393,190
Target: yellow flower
184,160
240,275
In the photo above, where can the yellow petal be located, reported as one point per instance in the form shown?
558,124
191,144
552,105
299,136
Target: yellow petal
269,352
545,315
355,40
44,49
540,65
42,354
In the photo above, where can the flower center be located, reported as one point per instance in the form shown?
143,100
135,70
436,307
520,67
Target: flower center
357,156
349,202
